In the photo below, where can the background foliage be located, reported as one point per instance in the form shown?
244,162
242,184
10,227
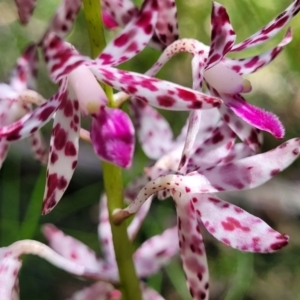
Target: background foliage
234,275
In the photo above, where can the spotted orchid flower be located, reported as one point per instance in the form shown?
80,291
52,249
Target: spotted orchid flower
16,101
111,132
10,264
149,258
216,164
223,76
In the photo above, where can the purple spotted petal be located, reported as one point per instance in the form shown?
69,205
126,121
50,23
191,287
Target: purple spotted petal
235,227
25,9
270,29
253,115
23,76
64,17
112,135
38,147
222,35
123,14
252,137
245,66
133,38
97,291
63,151
238,151
192,250
156,252
166,27
151,128
105,234
33,120
70,248
158,93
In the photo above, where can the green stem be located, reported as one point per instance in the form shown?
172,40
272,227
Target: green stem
112,174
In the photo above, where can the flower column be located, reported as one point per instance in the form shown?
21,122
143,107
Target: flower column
112,174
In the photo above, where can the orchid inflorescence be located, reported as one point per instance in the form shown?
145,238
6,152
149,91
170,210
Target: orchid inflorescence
216,151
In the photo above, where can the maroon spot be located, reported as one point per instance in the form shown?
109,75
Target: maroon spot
54,157
165,101
74,164
279,245
62,183
70,149
68,109
274,172
187,95
187,189
218,137
45,113
233,224
60,138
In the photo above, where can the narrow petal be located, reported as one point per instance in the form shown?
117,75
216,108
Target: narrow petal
138,219
38,147
159,93
112,135
25,10
133,38
235,227
64,17
156,252
166,27
222,35
61,57
245,66
70,248
97,291
251,136
23,75
150,294
253,171
4,146
255,116
34,120
216,148
105,234
192,249
151,128
63,151
125,11
270,29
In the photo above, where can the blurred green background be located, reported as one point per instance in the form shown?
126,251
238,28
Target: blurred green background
234,275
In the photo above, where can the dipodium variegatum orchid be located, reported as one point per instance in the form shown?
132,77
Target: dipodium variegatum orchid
219,148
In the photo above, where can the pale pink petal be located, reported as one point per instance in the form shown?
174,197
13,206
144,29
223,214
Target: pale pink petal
235,227
222,35
150,294
24,73
105,234
253,115
64,17
133,38
38,147
122,10
270,29
151,128
70,248
108,20
238,151
138,219
25,9
159,93
63,150
112,135
245,66
157,251
251,136
97,291
192,249
166,27
216,148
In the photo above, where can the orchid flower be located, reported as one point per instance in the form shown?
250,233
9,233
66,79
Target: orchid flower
16,100
10,264
112,133
223,76
217,164
151,256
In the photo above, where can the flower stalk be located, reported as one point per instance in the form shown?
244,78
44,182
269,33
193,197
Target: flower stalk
112,174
